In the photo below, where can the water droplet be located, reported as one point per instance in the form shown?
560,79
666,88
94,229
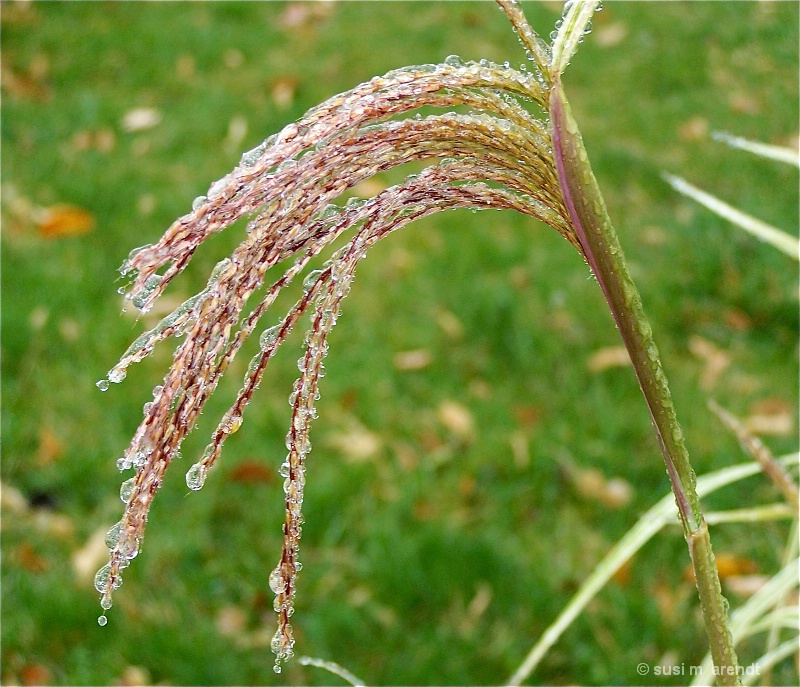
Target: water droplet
150,285
105,603
283,470
249,158
268,337
276,581
117,374
102,385
102,620
195,477
101,578
453,61
197,202
311,279
128,548
216,189
126,489
112,536
232,424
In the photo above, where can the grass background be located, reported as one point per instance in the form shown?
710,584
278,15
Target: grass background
440,557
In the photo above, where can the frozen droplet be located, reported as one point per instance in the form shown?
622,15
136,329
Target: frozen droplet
112,536
101,578
249,158
105,602
128,548
197,202
219,269
276,581
232,424
453,61
216,189
149,286
311,279
268,337
102,620
126,489
102,385
195,477
276,644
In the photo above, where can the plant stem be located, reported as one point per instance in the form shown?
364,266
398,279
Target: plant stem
604,254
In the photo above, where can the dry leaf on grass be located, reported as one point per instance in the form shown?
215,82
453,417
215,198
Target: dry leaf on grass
715,360
252,472
50,447
356,443
60,221
457,420
590,483
412,360
728,565
87,559
771,417
610,356
140,119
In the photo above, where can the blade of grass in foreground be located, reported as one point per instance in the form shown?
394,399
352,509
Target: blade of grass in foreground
761,230
652,522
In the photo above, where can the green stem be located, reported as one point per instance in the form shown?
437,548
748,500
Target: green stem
603,252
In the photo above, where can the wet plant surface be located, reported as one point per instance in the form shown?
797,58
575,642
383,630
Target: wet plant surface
453,506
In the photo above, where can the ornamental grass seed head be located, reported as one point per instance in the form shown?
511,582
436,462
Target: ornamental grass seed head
497,156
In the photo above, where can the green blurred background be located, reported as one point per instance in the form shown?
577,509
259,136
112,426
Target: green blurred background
453,501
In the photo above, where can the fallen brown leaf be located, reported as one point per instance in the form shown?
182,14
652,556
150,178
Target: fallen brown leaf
305,15
134,676
23,86
610,356
283,92
694,129
87,559
30,560
140,119
412,360
728,565
231,621
746,585
610,35
35,674
590,483
60,221
356,443
50,447
457,420
252,472
771,417
715,359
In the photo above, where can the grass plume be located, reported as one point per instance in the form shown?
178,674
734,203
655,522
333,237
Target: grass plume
497,156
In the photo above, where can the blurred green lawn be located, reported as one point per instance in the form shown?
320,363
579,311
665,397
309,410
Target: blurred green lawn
439,552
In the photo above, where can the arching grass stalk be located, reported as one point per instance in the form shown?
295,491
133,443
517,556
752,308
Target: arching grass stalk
498,156
601,247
